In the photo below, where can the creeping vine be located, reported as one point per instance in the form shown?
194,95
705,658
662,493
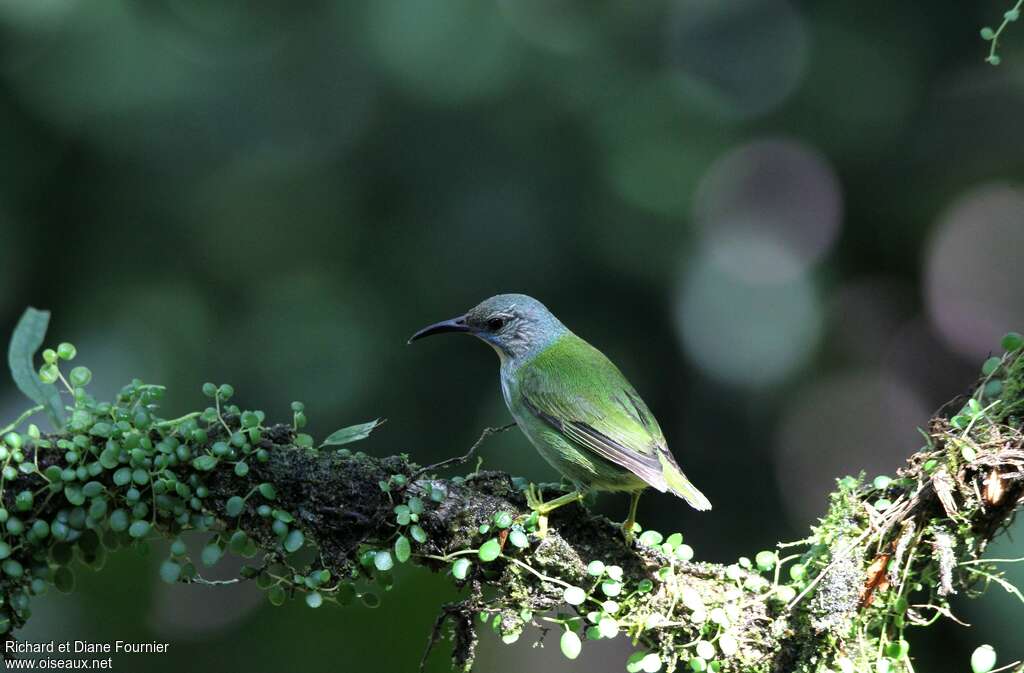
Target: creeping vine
322,523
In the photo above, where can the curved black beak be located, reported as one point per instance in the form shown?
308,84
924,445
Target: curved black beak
453,325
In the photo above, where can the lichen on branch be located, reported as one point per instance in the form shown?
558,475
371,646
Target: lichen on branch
326,524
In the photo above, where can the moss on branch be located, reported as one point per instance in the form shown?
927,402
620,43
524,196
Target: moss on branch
328,525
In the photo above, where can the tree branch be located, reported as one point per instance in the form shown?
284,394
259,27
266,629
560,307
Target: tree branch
329,525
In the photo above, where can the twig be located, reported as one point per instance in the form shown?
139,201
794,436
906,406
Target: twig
1006,667
990,560
940,610
448,611
435,635
18,421
459,460
1010,588
213,583
994,35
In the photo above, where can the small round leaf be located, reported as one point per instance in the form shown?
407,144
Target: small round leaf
294,540
460,568
571,645
383,561
403,549
489,550
574,595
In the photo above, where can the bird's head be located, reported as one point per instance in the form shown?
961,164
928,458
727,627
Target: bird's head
514,324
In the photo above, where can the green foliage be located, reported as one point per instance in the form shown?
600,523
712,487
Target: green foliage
27,338
571,644
868,533
460,568
116,475
983,659
992,36
489,550
352,433
119,475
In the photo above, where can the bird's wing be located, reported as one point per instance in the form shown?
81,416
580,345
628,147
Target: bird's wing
575,389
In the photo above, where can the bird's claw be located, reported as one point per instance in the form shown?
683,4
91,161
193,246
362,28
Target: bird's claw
533,498
535,502
542,508
628,531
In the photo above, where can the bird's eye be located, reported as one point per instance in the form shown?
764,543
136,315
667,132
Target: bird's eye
495,324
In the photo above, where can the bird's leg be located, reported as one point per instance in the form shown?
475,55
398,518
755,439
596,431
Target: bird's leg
566,499
627,525
542,508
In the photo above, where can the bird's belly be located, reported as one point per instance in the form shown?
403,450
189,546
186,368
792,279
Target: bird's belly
578,464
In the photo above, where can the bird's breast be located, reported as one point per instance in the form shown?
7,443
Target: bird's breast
507,387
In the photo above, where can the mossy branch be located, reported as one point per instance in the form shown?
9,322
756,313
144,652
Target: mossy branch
328,525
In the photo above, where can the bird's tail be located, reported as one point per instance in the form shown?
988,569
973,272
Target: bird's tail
681,486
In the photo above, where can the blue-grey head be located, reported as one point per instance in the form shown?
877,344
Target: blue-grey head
516,325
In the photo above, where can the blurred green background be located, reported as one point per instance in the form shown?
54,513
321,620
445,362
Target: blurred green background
796,227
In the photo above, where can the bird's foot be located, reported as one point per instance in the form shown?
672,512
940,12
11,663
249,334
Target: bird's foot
629,527
535,501
629,531
533,498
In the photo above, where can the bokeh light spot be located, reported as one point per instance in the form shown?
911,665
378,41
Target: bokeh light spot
972,268
747,329
562,26
656,148
655,173
747,55
448,52
38,14
778,188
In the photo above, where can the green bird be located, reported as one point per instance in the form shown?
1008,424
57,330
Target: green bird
574,406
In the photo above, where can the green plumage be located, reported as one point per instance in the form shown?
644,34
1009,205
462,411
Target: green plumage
589,423
574,405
